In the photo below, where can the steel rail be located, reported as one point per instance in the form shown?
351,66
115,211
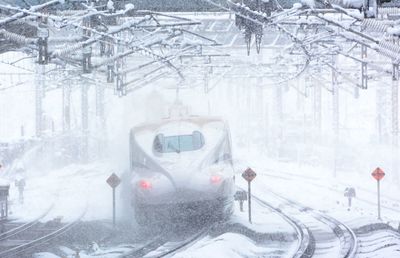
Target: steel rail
160,241
186,243
25,226
349,248
18,250
306,243
138,252
309,181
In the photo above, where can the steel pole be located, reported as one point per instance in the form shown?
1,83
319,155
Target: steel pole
66,93
395,121
249,190
379,201
100,114
113,199
6,207
279,115
335,114
39,95
85,121
317,106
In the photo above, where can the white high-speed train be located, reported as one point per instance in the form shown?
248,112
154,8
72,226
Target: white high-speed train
181,168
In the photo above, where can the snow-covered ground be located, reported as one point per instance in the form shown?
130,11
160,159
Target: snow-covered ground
274,131
76,188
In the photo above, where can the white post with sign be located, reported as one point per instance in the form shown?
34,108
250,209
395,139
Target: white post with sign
113,181
378,174
249,175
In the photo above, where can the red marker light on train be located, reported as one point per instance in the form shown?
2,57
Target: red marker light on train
144,184
215,179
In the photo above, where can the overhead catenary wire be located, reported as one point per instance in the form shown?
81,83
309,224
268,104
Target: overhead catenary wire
90,41
34,8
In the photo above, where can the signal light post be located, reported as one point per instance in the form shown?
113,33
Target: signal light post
249,175
378,174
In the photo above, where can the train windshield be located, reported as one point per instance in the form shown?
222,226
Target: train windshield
178,143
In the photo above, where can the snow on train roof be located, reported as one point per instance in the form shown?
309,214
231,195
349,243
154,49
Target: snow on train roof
196,121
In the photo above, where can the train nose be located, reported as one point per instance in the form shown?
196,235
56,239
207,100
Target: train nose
180,187
199,180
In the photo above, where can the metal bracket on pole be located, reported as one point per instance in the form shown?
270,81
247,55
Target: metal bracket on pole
120,85
110,66
364,68
87,50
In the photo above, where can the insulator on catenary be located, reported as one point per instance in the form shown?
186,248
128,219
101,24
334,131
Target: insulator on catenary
374,25
389,49
16,37
388,10
67,50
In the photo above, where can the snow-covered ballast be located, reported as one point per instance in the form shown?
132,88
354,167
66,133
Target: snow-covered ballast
181,167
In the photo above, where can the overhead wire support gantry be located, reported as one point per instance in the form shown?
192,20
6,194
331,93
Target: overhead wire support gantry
340,29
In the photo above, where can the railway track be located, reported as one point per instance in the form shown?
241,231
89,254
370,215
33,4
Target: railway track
326,232
305,240
22,240
17,228
352,243
318,235
162,247
312,181
183,245
380,238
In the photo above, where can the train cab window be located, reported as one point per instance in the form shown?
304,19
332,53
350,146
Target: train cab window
178,143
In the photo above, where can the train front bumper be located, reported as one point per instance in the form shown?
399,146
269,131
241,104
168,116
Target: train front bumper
186,210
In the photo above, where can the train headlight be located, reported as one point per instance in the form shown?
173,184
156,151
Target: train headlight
215,179
145,184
